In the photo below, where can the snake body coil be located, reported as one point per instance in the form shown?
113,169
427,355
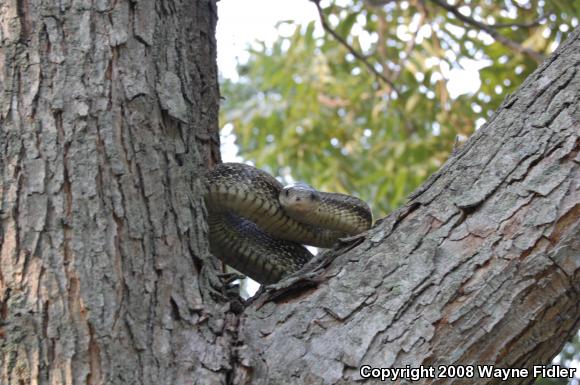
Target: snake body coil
258,226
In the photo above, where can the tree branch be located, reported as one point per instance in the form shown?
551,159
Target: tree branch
482,266
491,31
520,25
351,49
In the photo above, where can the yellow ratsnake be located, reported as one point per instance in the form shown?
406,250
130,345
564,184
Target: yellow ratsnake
258,226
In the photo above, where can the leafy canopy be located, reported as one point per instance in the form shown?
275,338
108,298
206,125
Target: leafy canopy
306,106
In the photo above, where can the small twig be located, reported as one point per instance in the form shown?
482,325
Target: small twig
520,25
350,49
491,31
413,42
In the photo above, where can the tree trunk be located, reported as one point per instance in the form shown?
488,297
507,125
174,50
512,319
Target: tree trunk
108,116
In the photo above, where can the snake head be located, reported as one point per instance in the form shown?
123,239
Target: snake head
299,198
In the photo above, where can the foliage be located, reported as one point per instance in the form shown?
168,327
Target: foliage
306,104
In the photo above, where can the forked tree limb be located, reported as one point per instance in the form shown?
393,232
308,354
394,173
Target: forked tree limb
492,31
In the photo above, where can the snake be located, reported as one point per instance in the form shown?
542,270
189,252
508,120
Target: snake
259,226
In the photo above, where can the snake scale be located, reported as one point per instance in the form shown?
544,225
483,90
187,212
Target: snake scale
258,226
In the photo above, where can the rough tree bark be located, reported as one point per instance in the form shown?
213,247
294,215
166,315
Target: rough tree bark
108,115
106,112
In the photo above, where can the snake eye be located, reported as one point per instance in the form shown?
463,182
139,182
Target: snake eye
287,192
313,196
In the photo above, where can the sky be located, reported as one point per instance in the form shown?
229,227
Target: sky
258,21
